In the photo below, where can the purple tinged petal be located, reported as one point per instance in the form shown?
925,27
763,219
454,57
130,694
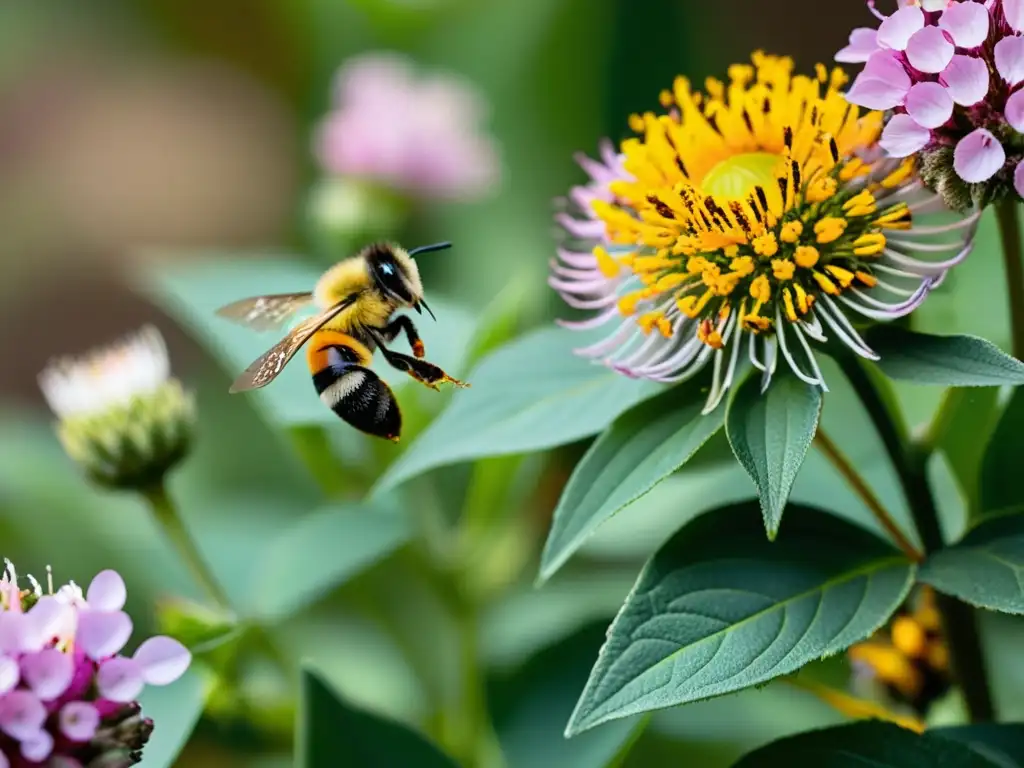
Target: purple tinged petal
22,714
120,679
102,634
896,30
967,24
1018,178
1013,10
928,50
107,591
978,156
48,673
10,674
929,104
162,659
1009,53
79,720
37,748
16,633
51,618
863,42
882,85
1015,111
5,763
966,78
903,137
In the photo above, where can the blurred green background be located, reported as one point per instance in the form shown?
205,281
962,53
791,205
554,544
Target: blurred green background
155,160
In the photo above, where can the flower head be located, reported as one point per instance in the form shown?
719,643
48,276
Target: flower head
952,71
66,692
743,224
120,414
412,134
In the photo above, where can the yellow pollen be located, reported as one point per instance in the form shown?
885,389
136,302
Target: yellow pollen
636,123
652,320
761,289
707,333
870,244
854,168
742,265
860,204
791,231
783,269
691,306
901,174
628,303
755,322
868,279
844,276
731,250
605,263
666,99
697,264
805,256
671,281
821,189
803,301
829,229
908,636
787,302
766,244
825,284
897,217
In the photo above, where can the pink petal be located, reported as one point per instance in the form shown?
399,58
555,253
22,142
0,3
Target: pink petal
48,673
903,137
882,85
22,714
102,634
10,674
863,42
5,763
929,104
928,50
1015,111
107,592
1010,59
120,679
37,748
896,30
51,618
16,633
967,24
967,79
1018,178
1013,10
162,659
978,156
79,720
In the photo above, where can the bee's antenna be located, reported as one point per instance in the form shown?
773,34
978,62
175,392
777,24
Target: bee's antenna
429,248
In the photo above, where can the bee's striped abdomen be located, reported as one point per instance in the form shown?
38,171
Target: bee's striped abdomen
338,363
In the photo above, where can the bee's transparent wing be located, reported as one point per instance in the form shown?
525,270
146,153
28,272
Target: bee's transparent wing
266,313
268,365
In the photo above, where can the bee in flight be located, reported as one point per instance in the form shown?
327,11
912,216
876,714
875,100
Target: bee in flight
357,299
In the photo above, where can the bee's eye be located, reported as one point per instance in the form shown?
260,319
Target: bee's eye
387,269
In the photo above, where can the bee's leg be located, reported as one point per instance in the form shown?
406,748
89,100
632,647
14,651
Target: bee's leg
404,323
421,370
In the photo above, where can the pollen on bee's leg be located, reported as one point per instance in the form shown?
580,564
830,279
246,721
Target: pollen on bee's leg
418,348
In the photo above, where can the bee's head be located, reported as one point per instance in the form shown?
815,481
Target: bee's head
395,274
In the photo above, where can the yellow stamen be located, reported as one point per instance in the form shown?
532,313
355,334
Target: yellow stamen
787,303
908,636
761,289
742,265
870,244
860,204
803,301
805,256
783,269
868,279
628,303
766,245
636,123
844,276
829,229
821,189
901,174
691,306
707,333
825,284
608,266
755,322
791,231
671,281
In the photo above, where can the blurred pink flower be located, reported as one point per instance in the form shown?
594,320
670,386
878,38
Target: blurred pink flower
416,134
953,73
66,692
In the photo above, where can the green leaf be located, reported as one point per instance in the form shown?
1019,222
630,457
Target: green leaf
860,745
332,733
175,709
643,447
531,707
770,434
985,568
321,551
1001,461
973,415
1002,743
952,361
720,608
527,396
193,289
501,319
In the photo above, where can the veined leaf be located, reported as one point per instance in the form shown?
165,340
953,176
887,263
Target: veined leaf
952,361
985,568
720,608
964,439
1001,461
526,396
770,434
1002,743
859,745
642,448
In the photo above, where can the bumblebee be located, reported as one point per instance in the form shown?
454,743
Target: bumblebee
357,299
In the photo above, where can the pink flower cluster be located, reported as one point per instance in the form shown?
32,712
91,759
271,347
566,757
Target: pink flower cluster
67,696
952,71
415,134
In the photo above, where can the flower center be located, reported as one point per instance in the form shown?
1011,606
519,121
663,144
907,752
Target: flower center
736,177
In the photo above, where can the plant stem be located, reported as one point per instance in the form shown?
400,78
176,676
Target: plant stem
1009,233
861,488
910,462
167,515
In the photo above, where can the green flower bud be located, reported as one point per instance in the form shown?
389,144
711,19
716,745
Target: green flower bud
121,417
937,172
